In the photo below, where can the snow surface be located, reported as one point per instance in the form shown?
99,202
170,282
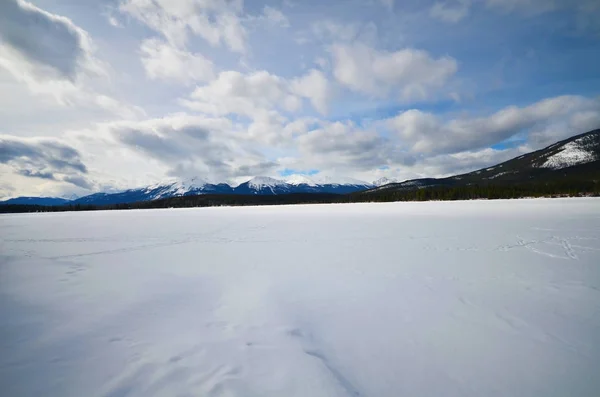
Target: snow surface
259,182
300,180
480,298
384,181
572,153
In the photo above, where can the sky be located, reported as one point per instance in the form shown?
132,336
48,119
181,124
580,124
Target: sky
104,95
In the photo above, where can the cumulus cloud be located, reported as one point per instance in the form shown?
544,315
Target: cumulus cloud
248,95
216,21
314,86
192,145
409,74
547,120
265,100
43,158
343,145
53,57
164,62
51,45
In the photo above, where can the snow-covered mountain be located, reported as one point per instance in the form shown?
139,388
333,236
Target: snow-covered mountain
384,181
259,185
300,180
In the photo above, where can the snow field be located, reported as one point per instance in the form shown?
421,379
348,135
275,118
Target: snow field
479,298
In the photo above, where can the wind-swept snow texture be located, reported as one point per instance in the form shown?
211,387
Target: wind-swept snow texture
479,298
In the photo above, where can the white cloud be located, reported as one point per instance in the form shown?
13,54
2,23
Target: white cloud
342,145
53,57
162,61
192,146
450,11
44,51
548,120
314,86
408,74
216,21
248,95
114,22
258,92
65,52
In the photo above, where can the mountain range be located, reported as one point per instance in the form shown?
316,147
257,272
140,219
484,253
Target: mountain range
576,158
259,185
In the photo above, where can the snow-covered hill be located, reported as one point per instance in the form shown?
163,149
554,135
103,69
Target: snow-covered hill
579,151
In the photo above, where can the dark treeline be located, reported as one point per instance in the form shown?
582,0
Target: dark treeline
469,192
206,200
498,191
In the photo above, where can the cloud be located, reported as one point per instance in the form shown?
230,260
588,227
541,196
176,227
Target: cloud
50,44
53,57
164,62
451,12
43,158
216,21
343,145
314,86
408,74
547,120
191,146
247,95
260,95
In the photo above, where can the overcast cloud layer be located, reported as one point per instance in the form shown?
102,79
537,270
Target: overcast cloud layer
101,95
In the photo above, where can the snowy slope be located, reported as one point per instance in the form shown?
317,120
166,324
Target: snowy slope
300,180
579,151
453,299
384,181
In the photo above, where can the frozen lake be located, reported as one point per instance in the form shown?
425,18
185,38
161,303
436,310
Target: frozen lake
481,298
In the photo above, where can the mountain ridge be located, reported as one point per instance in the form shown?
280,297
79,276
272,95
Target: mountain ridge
258,185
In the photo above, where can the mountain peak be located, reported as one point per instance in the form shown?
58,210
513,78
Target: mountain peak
384,181
264,181
297,179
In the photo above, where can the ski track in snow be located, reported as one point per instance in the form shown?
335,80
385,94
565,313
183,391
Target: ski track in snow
479,298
